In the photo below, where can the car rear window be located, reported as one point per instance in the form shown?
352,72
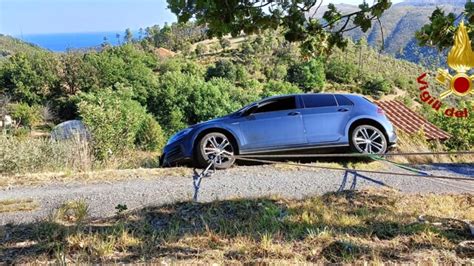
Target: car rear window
342,100
279,104
319,100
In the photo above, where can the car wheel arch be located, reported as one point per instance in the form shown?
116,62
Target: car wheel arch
365,121
224,131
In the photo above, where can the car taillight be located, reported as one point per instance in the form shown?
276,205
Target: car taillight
380,111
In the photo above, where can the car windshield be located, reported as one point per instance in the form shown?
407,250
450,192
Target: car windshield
243,109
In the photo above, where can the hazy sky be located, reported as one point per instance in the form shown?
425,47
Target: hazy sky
61,16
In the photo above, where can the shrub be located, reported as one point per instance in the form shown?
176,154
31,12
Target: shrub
225,43
170,102
30,78
182,65
462,135
223,69
126,65
274,87
27,116
278,72
341,72
309,76
150,136
376,87
113,119
186,99
241,74
211,100
201,49
402,82
249,91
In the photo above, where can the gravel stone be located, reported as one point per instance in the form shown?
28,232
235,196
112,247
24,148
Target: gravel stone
237,182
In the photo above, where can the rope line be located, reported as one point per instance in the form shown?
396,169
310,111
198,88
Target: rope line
357,170
352,154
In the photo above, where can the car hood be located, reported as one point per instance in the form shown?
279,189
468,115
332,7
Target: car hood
215,120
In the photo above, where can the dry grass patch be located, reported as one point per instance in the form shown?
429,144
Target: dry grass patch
92,176
414,143
368,226
18,205
351,163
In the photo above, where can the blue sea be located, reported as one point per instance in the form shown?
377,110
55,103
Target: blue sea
60,42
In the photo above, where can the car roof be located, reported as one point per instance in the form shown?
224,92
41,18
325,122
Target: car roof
303,94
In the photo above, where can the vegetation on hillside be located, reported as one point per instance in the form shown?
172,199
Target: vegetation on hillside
10,46
132,95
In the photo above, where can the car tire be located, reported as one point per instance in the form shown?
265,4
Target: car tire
215,146
368,139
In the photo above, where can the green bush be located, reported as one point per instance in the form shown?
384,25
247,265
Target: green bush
182,65
223,69
113,119
27,116
211,100
249,91
340,71
186,99
126,65
274,87
150,136
402,82
376,87
201,49
462,135
309,76
30,78
278,72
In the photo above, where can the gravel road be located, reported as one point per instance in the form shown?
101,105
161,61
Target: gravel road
238,182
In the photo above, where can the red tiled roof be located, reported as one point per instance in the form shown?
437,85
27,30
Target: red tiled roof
410,122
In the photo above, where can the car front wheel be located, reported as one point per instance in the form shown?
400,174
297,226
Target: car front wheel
215,147
368,139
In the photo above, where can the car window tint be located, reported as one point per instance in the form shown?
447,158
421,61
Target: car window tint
319,100
342,100
281,104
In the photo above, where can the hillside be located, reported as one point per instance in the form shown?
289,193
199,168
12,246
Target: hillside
10,45
398,27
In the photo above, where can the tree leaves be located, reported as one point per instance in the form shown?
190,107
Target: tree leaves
442,27
253,16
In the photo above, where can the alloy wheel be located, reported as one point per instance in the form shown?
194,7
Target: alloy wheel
217,148
369,139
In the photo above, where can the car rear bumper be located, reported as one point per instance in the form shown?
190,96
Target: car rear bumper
392,139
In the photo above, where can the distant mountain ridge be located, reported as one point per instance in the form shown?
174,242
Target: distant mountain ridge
10,45
398,27
433,2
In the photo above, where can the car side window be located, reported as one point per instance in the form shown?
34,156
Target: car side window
279,104
319,100
342,100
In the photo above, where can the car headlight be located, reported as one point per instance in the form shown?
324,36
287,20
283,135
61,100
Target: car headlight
179,135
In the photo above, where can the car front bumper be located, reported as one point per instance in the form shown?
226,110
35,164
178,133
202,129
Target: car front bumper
176,153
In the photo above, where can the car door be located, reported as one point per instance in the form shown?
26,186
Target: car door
324,120
274,123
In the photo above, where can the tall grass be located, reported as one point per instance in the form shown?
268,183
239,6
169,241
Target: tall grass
417,143
28,155
31,155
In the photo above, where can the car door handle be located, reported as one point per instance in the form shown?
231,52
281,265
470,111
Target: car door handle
294,113
343,110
